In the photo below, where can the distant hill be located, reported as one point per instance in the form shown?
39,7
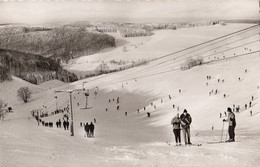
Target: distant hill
59,43
30,67
243,21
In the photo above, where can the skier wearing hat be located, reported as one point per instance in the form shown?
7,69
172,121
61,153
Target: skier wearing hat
176,122
231,124
185,124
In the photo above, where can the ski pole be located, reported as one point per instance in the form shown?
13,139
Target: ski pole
222,131
226,136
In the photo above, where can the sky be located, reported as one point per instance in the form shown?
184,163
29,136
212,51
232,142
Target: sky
45,11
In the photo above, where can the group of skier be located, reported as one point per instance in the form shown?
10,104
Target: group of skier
182,123
89,128
231,119
117,101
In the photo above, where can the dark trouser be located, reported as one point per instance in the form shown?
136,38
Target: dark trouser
186,135
177,134
231,132
91,133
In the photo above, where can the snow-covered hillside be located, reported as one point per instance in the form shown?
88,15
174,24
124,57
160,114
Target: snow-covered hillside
149,47
135,139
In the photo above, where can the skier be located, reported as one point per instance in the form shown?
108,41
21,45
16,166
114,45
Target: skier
125,113
237,110
59,123
250,104
220,115
67,125
185,124
245,106
91,128
95,121
87,129
251,113
148,114
64,125
231,124
176,122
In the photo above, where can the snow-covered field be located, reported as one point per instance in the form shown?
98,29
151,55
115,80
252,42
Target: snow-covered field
149,47
135,139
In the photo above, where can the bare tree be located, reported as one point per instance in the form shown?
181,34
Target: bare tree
24,93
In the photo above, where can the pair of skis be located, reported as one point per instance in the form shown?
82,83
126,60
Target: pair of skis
185,145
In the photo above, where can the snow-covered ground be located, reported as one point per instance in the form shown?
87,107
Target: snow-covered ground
149,47
135,139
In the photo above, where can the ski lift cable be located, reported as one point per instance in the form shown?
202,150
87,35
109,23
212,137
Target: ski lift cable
194,46
180,60
140,77
181,51
181,56
233,34
244,54
171,66
171,63
166,71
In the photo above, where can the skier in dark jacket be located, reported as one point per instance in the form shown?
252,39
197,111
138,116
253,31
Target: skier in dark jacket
185,124
67,125
64,125
91,128
231,124
87,129
176,123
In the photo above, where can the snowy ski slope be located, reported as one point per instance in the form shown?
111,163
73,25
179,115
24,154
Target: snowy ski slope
135,139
